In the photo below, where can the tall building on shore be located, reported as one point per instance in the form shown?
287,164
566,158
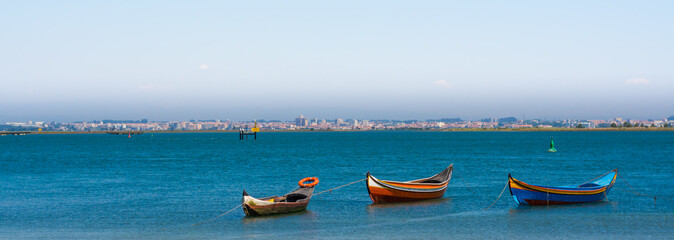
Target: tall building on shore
301,121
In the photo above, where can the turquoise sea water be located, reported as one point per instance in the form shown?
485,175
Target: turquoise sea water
155,186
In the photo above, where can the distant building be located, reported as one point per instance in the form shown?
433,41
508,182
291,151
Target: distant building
301,121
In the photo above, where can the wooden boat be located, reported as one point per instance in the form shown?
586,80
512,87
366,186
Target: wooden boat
590,191
294,201
383,191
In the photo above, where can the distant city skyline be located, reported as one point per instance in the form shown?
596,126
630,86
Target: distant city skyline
171,61
308,123
305,120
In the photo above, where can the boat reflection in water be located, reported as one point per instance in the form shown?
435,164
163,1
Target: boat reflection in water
403,207
304,215
560,209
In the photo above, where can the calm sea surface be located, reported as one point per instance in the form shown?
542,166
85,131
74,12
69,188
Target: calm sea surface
155,186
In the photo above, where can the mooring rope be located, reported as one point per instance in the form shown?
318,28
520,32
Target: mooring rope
655,198
196,224
466,184
499,196
330,190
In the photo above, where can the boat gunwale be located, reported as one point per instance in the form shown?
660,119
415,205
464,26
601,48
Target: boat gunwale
419,181
307,199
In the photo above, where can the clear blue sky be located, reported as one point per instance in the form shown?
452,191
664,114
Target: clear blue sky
181,60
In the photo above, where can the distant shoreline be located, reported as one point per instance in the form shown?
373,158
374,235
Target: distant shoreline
631,129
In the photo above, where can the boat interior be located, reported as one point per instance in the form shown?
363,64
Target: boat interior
438,178
588,185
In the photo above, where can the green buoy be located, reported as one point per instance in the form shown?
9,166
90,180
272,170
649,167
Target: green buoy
552,146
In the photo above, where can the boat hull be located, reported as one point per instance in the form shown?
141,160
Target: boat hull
527,194
388,192
526,197
278,208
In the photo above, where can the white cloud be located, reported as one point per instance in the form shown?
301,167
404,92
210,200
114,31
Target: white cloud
637,81
203,67
443,83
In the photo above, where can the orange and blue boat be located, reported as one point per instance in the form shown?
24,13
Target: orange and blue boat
384,191
590,191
